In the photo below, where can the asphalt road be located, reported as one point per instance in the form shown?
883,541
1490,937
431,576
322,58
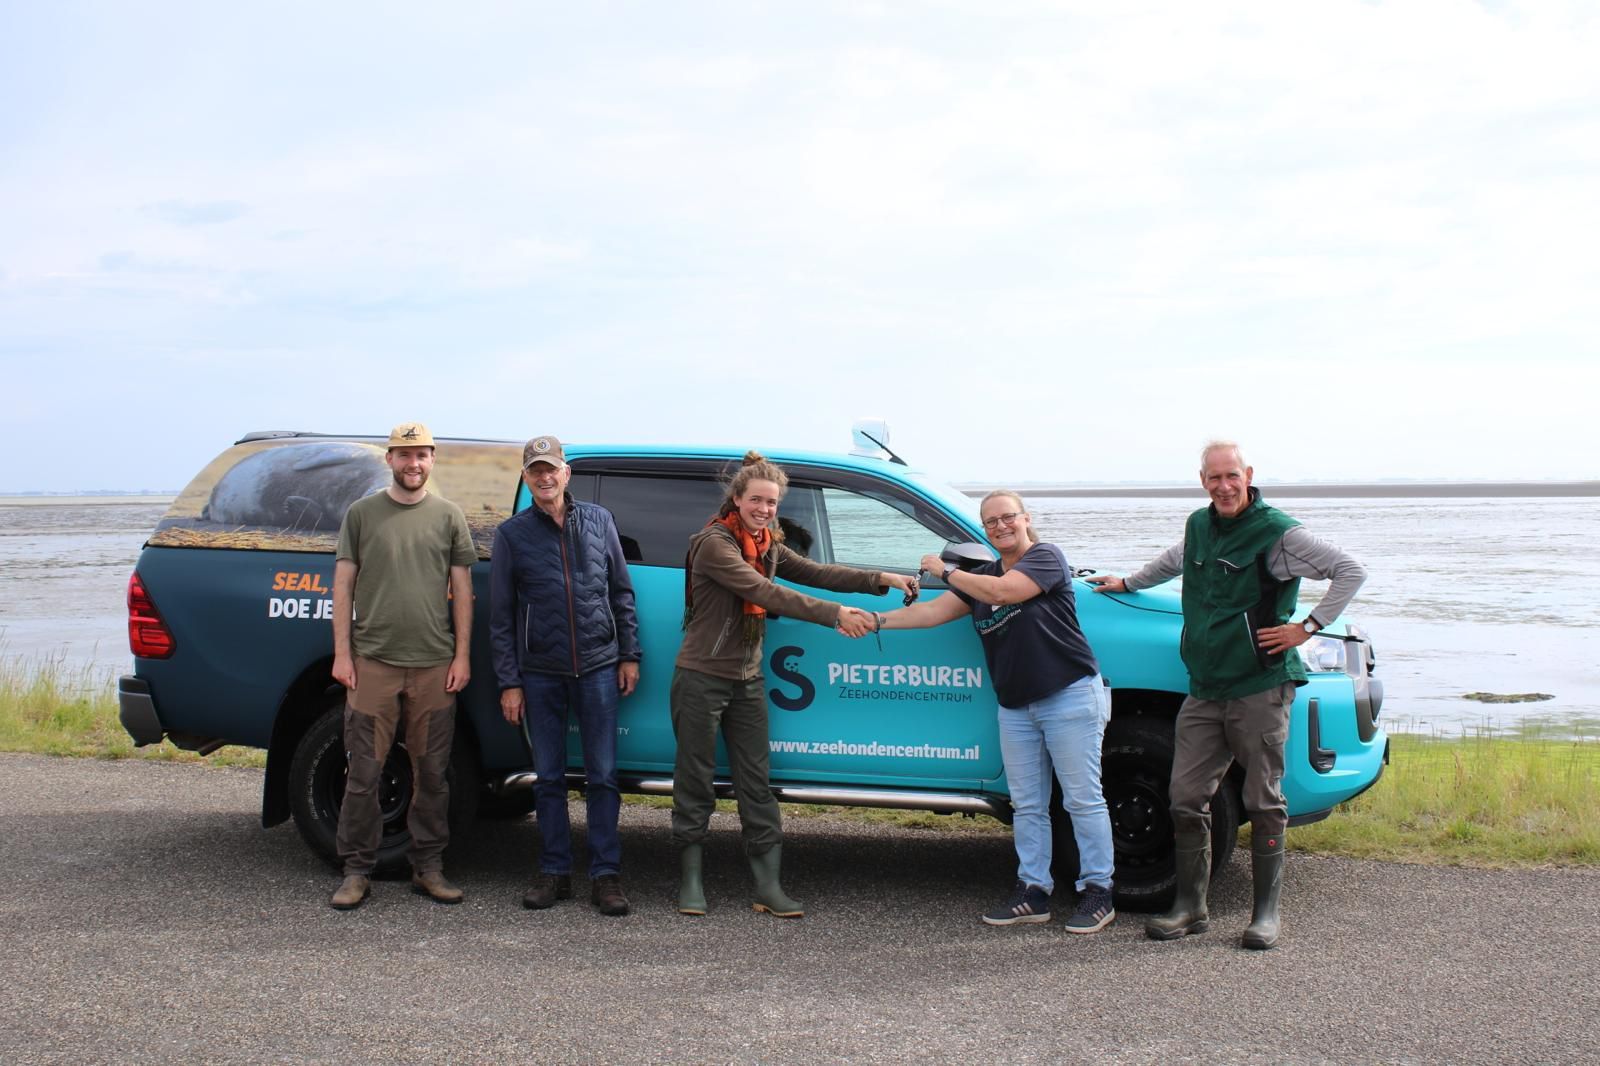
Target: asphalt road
145,917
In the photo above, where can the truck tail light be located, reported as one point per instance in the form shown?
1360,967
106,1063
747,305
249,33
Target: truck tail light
148,635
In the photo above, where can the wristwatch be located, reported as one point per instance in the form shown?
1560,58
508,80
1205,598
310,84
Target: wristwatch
949,568
1310,626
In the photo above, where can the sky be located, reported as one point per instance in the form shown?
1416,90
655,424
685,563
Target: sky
1060,242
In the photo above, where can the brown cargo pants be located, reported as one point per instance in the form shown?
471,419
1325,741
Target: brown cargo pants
1210,736
384,697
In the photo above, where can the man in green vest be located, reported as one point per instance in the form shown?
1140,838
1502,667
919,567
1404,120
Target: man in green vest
1241,563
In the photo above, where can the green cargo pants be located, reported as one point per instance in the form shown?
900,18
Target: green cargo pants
701,705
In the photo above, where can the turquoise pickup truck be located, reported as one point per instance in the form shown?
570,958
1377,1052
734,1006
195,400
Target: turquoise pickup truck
229,614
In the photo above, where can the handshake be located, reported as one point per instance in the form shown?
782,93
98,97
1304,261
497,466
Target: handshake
854,622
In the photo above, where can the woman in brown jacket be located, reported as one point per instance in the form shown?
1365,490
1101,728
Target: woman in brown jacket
718,684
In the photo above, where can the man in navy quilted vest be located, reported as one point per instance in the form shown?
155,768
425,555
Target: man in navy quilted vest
565,639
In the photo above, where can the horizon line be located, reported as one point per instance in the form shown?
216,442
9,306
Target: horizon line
1313,489
1126,489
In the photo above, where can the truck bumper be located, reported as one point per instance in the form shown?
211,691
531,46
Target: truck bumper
138,711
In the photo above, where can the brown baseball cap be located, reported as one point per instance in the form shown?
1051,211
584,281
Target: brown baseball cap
543,450
410,435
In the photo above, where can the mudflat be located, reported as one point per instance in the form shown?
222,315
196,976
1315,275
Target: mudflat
148,918
1420,490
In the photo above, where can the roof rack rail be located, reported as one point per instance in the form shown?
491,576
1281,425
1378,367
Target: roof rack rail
281,434
274,434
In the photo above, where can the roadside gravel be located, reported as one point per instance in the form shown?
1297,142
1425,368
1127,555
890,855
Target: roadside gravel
146,917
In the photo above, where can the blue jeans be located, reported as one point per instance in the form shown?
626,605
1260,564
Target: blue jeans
592,698
1065,729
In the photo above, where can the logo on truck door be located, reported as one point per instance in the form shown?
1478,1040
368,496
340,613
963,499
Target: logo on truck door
785,663
893,682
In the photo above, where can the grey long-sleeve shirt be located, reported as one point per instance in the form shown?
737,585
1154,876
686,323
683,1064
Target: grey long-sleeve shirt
1296,554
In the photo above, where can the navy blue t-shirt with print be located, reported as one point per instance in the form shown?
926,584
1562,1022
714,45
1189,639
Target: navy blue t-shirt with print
1034,648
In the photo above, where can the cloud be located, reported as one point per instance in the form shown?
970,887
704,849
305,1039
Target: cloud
186,213
1190,208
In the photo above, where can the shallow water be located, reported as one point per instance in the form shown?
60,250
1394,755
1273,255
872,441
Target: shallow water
1463,595
64,570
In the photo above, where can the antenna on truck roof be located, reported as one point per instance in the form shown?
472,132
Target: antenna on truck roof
874,432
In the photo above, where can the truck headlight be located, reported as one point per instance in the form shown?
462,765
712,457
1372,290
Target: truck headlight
1323,654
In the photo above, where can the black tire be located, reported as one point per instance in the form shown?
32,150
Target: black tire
1136,764
507,806
316,790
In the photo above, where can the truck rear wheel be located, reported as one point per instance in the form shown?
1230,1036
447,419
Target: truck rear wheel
1136,764
316,790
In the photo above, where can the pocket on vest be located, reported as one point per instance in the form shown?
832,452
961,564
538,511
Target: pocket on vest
1252,627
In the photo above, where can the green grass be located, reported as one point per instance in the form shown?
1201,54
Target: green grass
48,707
1479,800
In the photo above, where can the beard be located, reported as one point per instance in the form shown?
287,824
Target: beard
400,481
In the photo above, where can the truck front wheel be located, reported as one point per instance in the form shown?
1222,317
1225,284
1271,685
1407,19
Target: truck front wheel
1136,764
316,790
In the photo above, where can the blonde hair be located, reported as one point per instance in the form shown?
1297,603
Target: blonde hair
1033,534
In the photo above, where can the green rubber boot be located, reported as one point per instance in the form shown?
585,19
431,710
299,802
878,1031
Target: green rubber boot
691,894
1266,870
769,895
1192,860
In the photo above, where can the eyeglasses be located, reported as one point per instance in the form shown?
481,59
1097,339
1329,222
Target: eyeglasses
1007,519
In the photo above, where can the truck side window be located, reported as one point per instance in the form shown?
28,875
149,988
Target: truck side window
656,515
801,519
869,532
582,487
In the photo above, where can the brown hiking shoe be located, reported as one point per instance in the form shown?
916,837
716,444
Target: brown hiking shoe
432,883
606,894
546,889
351,893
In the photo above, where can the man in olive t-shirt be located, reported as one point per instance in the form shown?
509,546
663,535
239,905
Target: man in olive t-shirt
402,623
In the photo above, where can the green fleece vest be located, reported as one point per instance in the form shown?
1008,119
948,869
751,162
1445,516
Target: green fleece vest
1228,594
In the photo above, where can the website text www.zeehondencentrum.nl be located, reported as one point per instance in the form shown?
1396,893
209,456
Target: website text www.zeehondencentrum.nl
875,749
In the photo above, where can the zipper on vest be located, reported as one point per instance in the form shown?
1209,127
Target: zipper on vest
572,617
726,628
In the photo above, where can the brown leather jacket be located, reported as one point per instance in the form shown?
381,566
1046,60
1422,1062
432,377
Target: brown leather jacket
713,640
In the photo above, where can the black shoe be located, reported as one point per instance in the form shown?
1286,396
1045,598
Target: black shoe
546,889
1094,912
606,894
1028,903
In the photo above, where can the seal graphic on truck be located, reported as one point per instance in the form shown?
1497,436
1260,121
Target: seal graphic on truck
229,611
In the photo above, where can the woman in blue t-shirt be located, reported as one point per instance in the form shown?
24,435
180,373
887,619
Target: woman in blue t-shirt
1053,705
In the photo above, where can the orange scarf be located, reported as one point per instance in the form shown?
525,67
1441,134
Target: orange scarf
753,547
